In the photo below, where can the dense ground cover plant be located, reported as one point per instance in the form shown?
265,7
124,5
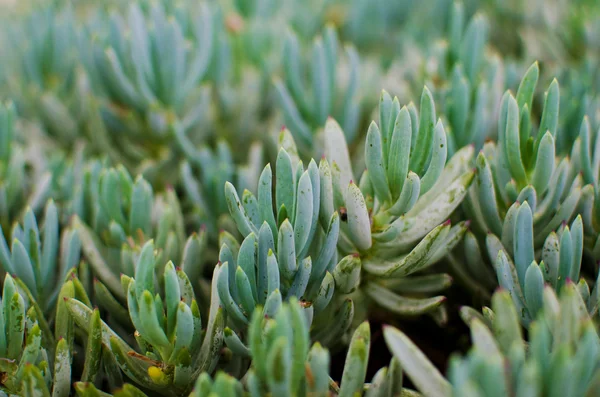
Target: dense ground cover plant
283,198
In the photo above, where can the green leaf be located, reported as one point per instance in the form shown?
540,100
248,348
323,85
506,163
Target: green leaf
506,326
359,224
401,305
487,195
534,289
14,317
50,245
62,370
355,367
286,251
23,266
238,212
375,164
411,190
420,370
527,86
336,150
141,207
549,121
265,199
512,143
63,326
399,153
321,78
152,329
483,339
225,296
303,213
544,165
347,274
523,242
93,354
438,159
278,367
423,144
298,286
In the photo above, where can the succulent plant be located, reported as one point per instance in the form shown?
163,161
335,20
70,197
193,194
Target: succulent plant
560,356
289,249
23,349
473,78
585,156
396,218
203,178
561,258
304,116
115,215
161,233
174,348
41,260
522,167
147,90
51,85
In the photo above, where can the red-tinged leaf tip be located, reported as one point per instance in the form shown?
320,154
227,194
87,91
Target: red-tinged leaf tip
323,157
517,202
351,181
329,118
467,223
203,227
356,255
65,298
448,222
282,128
178,268
568,280
443,299
95,280
499,289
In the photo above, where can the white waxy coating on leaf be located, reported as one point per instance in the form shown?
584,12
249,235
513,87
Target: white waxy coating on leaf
358,218
336,150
